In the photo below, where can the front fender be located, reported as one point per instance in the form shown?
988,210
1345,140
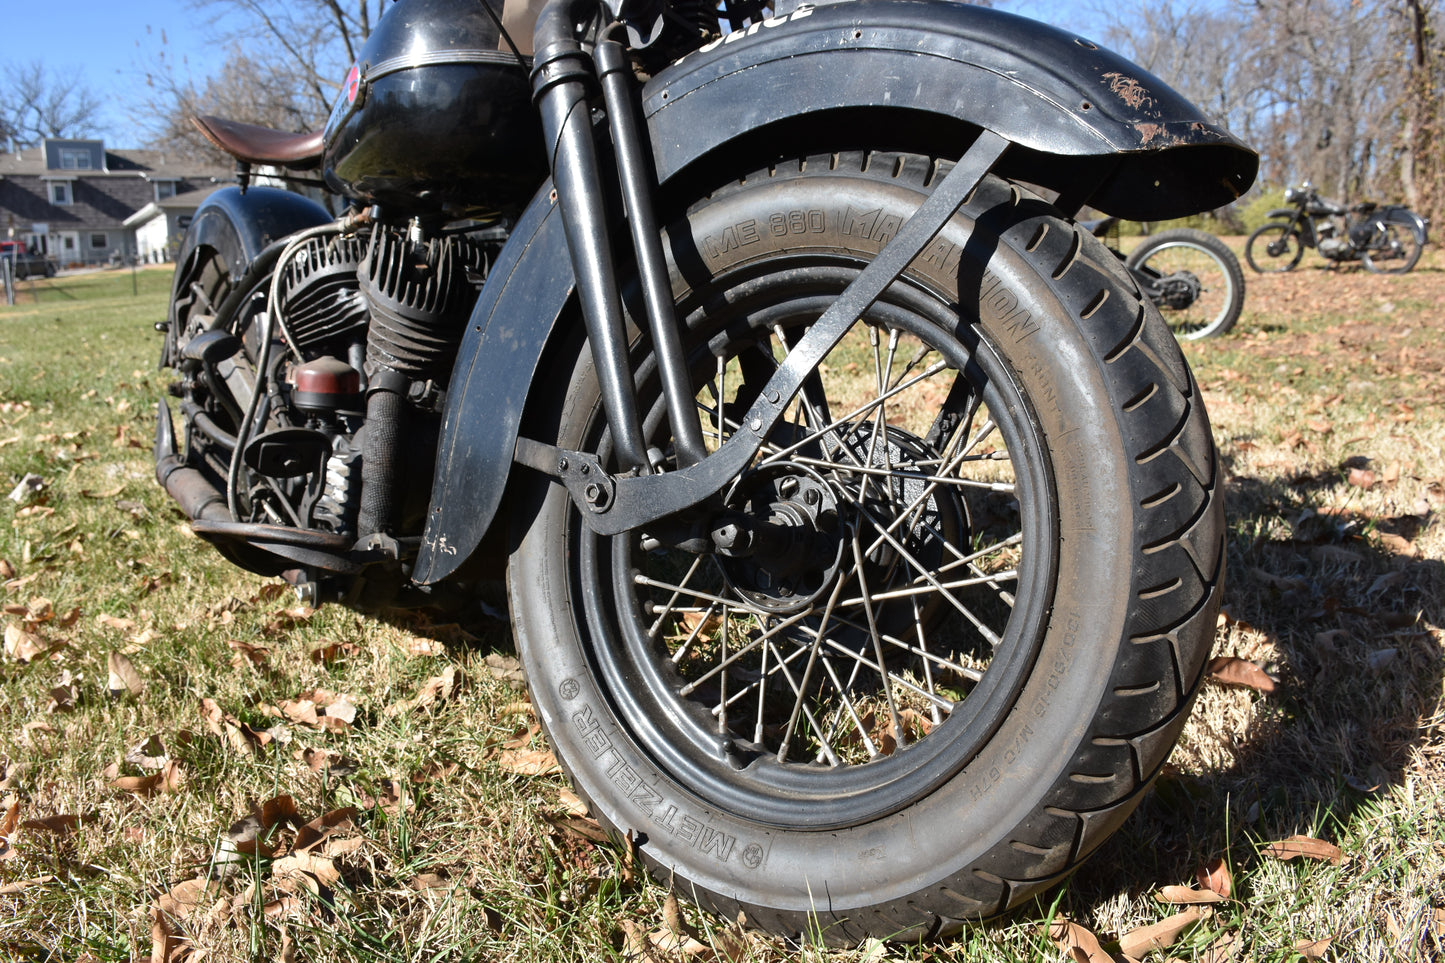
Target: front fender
920,75
1287,213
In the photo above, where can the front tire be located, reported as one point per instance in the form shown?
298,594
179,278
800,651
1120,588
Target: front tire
1274,248
1006,565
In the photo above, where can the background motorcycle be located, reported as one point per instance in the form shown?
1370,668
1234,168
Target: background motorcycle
1191,276
1387,238
861,523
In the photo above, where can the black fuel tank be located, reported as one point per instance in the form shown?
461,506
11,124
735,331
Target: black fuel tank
436,116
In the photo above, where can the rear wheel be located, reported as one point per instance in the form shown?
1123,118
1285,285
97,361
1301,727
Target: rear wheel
1273,248
1394,249
975,632
1194,279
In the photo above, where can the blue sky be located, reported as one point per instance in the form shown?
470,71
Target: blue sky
112,43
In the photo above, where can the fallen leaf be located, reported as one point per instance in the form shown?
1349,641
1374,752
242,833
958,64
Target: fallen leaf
316,831
60,825
321,867
1077,942
247,654
1361,478
21,885
528,762
1287,849
1313,949
328,654
1232,670
169,779
1187,895
1215,876
1158,935
150,754
124,679
8,824
23,646
506,668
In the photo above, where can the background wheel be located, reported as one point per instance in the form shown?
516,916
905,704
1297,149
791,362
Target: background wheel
1272,248
1395,249
989,587
1195,280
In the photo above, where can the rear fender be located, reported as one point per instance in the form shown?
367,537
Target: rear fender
1396,214
885,74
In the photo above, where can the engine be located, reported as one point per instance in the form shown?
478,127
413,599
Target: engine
366,329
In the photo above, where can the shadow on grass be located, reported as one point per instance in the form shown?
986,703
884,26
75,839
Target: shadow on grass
1359,673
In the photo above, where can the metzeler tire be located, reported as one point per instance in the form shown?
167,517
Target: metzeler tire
1097,504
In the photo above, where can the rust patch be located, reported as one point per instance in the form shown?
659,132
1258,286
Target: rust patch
1129,90
1147,133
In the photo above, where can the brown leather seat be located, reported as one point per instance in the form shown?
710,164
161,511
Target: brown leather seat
261,145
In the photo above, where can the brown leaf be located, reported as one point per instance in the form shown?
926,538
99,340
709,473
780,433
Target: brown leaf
7,829
60,825
1077,942
277,812
21,885
124,679
1232,670
1158,935
312,864
1361,478
506,668
1215,876
23,646
1399,545
1306,846
1186,895
528,762
323,826
333,652
1313,949
169,779
426,881
247,654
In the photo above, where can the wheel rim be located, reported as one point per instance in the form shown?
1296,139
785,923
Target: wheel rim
761,689
1198,290
1271,251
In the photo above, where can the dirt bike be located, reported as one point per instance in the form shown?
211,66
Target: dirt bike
861,524
1387,238
1191,276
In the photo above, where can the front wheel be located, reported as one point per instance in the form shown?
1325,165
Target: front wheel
1273,248
993,563
1394,249
1194,279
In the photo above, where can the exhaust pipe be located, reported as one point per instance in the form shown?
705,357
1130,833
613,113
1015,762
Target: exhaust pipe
198,498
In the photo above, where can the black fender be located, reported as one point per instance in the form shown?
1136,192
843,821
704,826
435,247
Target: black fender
918,75
1397,214
239,226
1285,212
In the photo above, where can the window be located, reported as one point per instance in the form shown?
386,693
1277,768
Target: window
60,193
74,160
99,241
165,189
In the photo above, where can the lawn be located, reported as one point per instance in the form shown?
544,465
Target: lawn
193,765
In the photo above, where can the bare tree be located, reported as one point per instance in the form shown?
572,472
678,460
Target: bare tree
41,102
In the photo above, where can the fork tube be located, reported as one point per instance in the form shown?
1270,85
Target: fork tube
560,77
634,172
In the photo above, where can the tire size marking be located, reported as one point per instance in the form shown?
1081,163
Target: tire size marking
797,222
737,235
665,814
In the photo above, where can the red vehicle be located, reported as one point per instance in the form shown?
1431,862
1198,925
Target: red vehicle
23,263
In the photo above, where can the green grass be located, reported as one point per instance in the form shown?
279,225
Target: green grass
478,862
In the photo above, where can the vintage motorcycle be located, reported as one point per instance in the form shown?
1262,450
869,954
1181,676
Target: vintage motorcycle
1388,238
861,524
1190,275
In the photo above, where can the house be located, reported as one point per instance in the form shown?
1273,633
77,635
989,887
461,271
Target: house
70,199
160,226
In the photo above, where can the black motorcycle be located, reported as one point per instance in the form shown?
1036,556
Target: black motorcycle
860,520
1190,275
1388,238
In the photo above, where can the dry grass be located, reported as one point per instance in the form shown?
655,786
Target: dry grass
460,848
